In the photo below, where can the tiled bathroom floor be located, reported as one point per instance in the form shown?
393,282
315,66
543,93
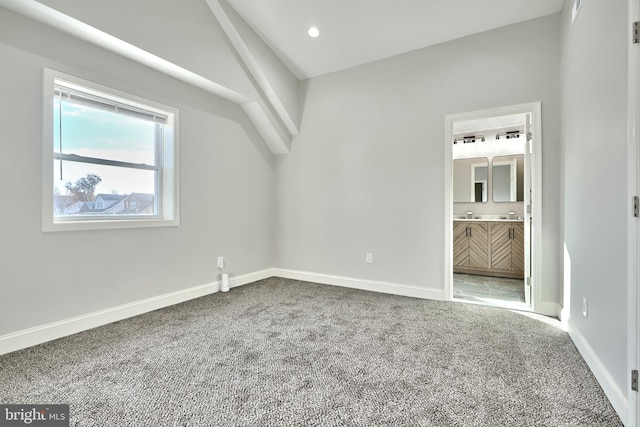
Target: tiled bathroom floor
496,291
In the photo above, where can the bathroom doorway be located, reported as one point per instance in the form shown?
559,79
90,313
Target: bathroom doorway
492,220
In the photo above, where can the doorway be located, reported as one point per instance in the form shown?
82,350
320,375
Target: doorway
492,211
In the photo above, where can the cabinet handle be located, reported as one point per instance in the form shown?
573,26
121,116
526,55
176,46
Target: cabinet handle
470,232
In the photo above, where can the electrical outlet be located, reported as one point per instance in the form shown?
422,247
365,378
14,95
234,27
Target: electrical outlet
369,258
220,263
584,307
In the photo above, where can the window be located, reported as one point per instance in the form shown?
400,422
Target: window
110,158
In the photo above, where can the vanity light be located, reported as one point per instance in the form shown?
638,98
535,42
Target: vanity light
313,32
468,139
510,134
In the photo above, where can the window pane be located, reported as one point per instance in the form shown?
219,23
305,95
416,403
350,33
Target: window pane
94,132
116,191
111,158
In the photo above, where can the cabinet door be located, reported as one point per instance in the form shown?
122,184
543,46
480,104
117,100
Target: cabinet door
460,244
517,248
501,246
479,245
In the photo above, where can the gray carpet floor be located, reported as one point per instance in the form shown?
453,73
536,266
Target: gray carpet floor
285,353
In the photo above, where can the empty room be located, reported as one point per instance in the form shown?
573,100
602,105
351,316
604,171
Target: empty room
319,212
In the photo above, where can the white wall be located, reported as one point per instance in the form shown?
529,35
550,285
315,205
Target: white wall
226,180
365,174
594,111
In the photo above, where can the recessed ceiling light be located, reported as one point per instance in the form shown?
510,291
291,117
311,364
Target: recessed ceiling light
313,32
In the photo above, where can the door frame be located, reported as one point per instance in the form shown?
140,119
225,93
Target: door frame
535,109
633,234
474,181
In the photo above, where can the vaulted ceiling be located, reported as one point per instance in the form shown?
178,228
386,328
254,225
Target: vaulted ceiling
354,32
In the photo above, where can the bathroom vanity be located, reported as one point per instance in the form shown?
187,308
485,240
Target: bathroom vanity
489,247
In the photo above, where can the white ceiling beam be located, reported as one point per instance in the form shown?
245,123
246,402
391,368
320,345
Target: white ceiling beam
267,130
252,65
58,20
79,29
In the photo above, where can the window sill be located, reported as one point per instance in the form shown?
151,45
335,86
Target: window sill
105,224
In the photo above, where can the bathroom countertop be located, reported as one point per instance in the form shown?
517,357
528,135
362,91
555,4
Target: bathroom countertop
485,218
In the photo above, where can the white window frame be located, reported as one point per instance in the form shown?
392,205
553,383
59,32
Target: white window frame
168,205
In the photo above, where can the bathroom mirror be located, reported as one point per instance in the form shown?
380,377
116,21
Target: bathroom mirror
470,180
507,174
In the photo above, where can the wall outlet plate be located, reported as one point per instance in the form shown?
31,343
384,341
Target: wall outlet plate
369,258
220,263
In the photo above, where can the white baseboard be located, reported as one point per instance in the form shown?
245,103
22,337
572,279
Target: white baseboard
367,285
549,309
615,395
40,334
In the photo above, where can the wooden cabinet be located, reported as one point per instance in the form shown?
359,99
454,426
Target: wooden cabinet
491,248
471,244
507,247
460,244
